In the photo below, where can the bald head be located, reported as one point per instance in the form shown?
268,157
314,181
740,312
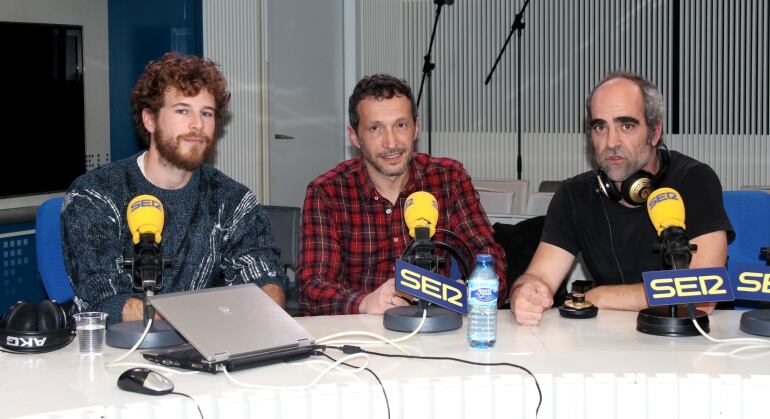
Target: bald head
619,128
623,83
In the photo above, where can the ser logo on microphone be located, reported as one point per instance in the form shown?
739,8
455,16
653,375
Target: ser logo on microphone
664,196
152,203
750,281
432,287
684,286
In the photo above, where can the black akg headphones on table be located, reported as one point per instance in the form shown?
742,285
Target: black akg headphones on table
638,186
28,329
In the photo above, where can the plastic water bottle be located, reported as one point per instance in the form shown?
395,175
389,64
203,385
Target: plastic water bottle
482,304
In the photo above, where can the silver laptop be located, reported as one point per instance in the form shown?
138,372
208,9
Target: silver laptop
232,327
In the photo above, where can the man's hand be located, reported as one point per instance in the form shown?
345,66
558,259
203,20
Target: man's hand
133,310
532,293
529,300
629,297
276,293
383,298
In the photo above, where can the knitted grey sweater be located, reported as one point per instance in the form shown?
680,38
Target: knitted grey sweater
215,233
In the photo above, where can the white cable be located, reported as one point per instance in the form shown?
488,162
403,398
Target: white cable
367,342
304,387
328,340
345,370
730,340
735,351
133,348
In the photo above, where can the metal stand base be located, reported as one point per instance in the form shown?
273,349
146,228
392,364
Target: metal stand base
407,318
578,313
125,335
756,322
658,321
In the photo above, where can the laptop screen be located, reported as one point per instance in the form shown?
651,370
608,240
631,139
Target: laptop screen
232,321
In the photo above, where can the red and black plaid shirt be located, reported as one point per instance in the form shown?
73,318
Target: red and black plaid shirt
351,235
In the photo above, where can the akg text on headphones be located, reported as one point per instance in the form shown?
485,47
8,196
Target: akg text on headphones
638,186
29,329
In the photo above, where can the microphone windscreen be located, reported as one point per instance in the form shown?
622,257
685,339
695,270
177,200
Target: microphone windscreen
666,209
145,215
421,210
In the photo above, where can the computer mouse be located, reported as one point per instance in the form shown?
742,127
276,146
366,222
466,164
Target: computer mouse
145,381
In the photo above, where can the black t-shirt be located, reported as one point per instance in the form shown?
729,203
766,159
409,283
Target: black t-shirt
580,219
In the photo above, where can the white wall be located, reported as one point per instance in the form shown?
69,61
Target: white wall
92,16
233,36
284,63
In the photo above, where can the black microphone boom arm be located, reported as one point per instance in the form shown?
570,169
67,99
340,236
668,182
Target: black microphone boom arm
147,267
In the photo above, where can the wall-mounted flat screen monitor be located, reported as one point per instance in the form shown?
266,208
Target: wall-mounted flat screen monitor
42,108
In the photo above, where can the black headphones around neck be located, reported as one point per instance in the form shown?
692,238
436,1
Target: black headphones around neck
638,186
26,328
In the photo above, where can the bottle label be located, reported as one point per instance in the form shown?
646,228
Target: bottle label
484,295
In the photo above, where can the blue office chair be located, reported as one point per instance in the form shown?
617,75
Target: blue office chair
284,223
50,257
749,213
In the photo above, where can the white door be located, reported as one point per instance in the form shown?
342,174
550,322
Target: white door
307,116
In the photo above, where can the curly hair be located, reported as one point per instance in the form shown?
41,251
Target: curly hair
188,74
378,86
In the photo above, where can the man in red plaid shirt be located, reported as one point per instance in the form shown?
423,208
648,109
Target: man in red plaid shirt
353,225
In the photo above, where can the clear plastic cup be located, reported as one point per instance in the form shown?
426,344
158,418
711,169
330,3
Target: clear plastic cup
91,329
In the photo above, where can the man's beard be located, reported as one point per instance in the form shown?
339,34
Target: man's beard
387,170
633,164
169,150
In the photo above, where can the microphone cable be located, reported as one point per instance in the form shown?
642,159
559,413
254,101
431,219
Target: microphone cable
350,350
315,381
115,363
612,244
759,343
369,370
328,340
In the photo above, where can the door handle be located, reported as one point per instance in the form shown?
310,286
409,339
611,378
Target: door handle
283,137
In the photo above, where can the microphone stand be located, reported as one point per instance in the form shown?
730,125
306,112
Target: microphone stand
147,269
427,68
407,318
757,322
518,25
676,253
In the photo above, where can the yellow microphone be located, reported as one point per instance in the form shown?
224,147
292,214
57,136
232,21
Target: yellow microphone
666,209
145,215
421,210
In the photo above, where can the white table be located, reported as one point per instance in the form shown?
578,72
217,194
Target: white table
596,368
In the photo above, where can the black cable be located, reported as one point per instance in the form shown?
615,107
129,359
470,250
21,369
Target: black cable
349,349
612,245
384,394
190,397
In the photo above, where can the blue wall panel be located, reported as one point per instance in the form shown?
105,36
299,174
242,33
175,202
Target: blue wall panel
19,279
140,31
